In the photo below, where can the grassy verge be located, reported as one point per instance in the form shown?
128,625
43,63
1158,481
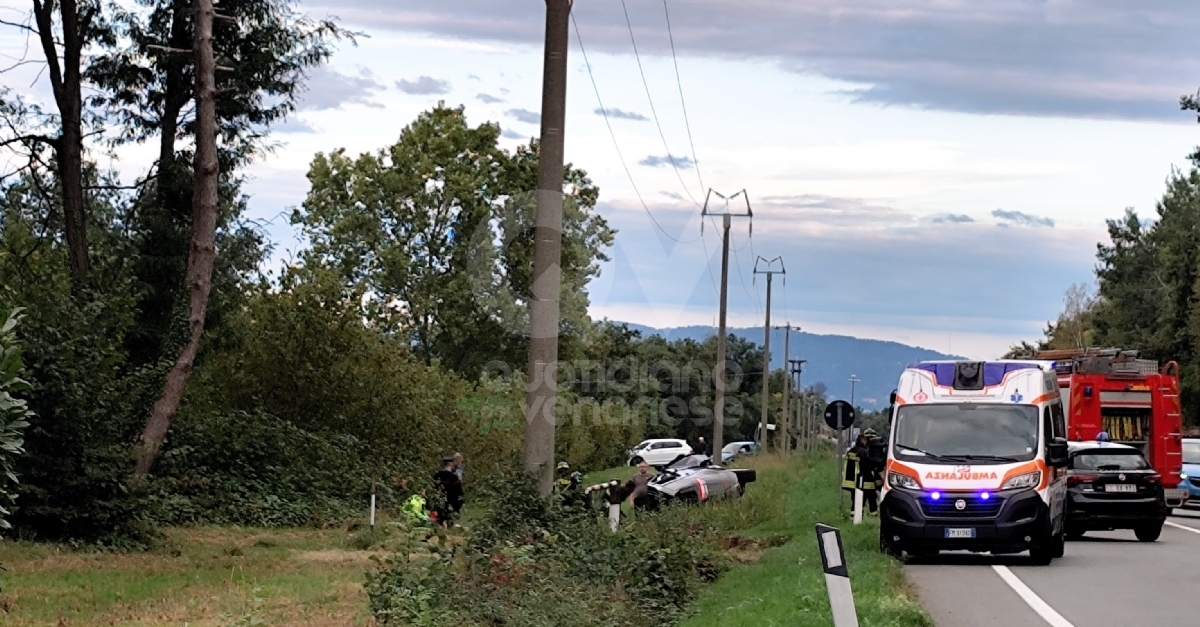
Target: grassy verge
786,585
201,577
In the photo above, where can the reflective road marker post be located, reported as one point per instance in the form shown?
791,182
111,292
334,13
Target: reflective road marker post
837,578
858,498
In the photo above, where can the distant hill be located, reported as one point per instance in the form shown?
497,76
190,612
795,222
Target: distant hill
832,359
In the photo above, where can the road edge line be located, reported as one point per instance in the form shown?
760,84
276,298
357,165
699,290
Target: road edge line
1031,598
1184,527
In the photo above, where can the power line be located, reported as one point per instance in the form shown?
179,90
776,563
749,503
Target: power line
653,112
616,145
682,102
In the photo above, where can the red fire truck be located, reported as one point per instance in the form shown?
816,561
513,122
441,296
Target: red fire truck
1129,398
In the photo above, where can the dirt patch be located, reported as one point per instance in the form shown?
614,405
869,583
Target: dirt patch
747,550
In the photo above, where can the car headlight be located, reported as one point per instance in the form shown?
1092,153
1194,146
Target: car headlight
1027,480
1183,475
900,480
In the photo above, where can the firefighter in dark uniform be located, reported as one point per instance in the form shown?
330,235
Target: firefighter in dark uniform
861,469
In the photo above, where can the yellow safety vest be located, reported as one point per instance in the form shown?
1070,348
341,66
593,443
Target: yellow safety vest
851,469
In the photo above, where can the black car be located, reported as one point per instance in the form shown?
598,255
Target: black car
1112,486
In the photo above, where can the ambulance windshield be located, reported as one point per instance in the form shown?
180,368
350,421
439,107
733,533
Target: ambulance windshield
968,433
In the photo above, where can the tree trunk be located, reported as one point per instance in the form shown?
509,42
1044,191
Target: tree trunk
66,83
202,254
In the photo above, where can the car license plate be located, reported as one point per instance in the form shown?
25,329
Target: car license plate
1120,487
960,533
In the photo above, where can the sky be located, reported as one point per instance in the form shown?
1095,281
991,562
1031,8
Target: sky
934,172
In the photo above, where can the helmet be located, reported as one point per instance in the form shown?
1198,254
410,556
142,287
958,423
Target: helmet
563,466
871,433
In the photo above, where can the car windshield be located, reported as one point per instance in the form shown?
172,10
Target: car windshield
734,447
1109,460
1191,451
691,461
970,433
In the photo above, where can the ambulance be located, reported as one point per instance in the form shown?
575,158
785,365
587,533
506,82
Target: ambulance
976,461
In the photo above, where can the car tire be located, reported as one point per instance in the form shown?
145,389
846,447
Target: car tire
635,460
889,549
1148,533
1059,545
1047,550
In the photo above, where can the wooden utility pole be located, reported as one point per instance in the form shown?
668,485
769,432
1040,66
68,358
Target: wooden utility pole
203,251
541,393
766,390
718,440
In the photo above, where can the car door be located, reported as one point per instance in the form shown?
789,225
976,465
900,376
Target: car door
1055,427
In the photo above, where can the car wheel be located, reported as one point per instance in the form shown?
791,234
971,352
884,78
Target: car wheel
1059,545
1047,550
635,460
1149,533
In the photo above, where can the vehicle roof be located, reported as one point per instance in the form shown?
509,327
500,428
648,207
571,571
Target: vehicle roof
1093,444
664,440
1045,364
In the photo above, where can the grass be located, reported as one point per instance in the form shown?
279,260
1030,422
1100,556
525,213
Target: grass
199,577
785,585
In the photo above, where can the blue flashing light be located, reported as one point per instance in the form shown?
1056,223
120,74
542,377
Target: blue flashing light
985,496
936,496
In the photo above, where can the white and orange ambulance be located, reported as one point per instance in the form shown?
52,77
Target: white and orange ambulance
975,460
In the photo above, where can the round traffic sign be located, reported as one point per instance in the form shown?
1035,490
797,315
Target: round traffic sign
836,409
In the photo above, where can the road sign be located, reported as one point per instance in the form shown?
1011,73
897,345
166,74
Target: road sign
836,409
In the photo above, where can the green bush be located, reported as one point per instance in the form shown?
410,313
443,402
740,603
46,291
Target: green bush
531,561
14,417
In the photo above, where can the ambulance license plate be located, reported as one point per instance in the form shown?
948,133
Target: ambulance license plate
960,533
1120,487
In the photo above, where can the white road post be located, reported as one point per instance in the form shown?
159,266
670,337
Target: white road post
614,516
858,498
837,578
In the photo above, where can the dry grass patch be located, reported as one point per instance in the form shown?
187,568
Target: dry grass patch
206,577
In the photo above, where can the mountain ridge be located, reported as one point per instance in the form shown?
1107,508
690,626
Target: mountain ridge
832,359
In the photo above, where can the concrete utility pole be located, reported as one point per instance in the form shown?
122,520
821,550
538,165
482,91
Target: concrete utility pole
766,391
541,393
785,427
853,380
794,366
718,440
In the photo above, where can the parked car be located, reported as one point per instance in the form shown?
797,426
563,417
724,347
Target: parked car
1191,470
737,449
659,452
1112,486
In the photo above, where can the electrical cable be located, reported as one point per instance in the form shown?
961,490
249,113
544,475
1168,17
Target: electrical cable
683,102
653,112
617,145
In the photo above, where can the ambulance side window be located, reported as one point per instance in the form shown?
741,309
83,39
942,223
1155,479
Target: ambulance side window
1048,425
1060,421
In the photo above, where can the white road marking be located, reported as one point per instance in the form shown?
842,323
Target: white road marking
1031,598
1184,527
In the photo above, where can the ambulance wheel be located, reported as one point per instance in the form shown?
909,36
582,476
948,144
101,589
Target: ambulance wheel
1148,533
889,549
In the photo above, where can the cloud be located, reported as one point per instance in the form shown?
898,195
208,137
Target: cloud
327,88
294,125
423,86
622,115
1026,57
511,134
524,115
473,77
953,218
655,161
488,99
1022,219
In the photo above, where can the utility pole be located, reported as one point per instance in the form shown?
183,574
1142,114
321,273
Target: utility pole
785,424
853,380
794,368
541,393
766,391
718,441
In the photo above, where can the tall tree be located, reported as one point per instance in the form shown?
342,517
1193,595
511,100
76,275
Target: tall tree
438,229
63,48
204,234
147,87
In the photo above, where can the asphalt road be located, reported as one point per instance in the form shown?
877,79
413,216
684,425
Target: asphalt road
1106,579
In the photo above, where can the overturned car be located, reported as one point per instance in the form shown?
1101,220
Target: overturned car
696,479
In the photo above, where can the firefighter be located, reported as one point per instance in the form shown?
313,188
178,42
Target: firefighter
414,509
859,471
